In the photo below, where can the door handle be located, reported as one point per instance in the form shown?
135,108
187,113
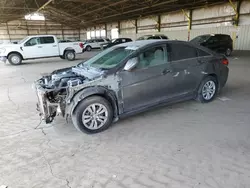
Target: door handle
54,45
39,46
165,71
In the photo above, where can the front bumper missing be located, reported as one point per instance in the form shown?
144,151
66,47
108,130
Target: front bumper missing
47,110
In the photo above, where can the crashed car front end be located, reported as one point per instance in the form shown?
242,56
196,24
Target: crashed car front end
47,107
56,89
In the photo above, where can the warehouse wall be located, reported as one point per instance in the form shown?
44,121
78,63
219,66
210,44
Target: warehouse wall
209,20
16,30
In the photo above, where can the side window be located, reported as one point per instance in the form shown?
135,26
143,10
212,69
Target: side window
123,40
213,40
164,37
154,37
181,51
48,40
152,57
99,40
33,41
202,53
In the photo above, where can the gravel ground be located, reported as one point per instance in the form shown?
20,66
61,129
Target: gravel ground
186,145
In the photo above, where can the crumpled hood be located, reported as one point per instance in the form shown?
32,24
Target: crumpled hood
69,76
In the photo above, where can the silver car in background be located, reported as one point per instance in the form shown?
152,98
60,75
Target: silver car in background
129,78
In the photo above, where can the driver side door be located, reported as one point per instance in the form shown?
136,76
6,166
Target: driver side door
32,48
149,83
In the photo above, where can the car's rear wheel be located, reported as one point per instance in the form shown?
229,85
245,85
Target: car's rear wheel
207,90
228,52
93,115
88,48
15,59
70,55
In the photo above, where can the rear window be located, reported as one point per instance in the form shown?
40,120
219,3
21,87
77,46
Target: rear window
47,40
200,39
180,51
154,37
164,37
202,53
99,40
224,37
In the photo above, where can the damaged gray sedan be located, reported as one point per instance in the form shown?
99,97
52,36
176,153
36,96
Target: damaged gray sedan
130,78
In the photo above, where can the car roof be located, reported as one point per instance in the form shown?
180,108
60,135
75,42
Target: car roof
213,35
142,43
41,36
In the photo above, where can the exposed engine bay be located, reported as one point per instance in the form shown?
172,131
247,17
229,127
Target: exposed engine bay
52,89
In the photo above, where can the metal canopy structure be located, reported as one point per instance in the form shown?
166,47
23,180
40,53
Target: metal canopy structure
86,13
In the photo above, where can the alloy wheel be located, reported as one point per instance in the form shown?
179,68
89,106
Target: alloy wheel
95,116
208,90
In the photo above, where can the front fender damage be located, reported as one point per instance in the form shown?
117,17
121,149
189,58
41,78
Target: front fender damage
51,106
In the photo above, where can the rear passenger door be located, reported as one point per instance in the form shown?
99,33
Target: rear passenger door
185,67
50,47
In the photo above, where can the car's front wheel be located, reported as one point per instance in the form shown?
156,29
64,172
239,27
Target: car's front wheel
207,90
15,59
94,114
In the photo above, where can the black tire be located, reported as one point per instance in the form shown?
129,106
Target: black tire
200,96
70,55
228,52
88,48
82,107
62,57
15,59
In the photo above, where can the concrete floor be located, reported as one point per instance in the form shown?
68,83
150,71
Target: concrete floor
186,145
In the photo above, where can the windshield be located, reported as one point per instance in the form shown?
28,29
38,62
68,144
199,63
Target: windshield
108,58
21,41
200,39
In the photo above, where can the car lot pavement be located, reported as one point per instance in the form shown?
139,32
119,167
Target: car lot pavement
186,145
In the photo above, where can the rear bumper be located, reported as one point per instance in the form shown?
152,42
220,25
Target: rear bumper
224,76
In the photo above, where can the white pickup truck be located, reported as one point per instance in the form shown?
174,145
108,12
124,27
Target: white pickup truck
40,46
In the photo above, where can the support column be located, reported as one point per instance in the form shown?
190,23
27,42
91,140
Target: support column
159,23
236,18
106,30
136,26
45,25
8,31
119,27
189,18
62,32
28,32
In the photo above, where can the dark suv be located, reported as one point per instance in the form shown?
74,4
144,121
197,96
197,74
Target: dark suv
220,43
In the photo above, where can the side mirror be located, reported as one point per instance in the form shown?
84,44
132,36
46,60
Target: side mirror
131,63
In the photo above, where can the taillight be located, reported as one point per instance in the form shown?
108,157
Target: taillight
81,45
225,62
